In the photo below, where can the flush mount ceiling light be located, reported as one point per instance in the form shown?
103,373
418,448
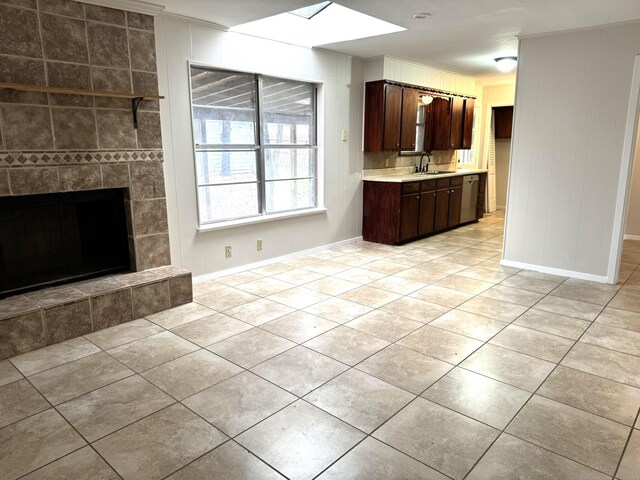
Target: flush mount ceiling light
421,15
319,24
506,64
426,99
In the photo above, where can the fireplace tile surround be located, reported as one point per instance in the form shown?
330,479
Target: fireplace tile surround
44,317
62,143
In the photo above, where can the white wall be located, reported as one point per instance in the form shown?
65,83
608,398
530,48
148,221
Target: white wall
179,41
573,93
390,68
633,213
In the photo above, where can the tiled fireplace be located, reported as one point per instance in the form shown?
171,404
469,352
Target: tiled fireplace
52,143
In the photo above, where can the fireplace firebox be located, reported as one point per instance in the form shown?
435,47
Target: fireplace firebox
52,239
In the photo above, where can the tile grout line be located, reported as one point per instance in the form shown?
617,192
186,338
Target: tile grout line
532,396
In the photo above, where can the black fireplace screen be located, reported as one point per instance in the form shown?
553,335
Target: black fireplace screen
57,238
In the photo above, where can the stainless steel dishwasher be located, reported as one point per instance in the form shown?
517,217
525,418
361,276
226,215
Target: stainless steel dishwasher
469,198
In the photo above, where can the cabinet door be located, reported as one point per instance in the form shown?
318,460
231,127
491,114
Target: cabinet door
428,128
441,107
457,123
373,116
427,212
409,208
455,206
392,112
504,121
442,210
409,119
467,133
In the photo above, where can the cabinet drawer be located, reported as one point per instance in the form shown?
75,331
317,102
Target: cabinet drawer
428,185
410,187
443,182
455,181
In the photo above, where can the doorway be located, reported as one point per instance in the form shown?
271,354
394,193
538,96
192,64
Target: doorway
498,155
630,258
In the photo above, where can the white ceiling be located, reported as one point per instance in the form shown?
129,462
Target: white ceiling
461,35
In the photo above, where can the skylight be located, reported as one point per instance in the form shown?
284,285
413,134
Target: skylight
319,24
310,11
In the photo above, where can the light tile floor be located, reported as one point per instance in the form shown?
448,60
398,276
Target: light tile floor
425,361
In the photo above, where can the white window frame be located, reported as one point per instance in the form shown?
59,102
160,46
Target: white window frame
317,146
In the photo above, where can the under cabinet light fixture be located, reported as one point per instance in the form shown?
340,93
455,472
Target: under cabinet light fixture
426,99
506,64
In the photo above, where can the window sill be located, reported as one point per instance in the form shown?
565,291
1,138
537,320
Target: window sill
260,219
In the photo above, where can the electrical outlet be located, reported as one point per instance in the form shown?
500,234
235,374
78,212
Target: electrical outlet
259,245
344,136
227,251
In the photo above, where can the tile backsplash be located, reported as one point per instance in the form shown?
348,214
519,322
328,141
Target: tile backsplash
445,160
61,43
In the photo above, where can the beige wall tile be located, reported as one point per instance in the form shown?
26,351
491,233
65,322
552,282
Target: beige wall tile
75,128
152,251
106,15
62,7
108,45
29,181
115,129
26,127
19,33
64,38
80,177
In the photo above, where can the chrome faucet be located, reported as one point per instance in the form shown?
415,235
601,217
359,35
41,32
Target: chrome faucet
424,169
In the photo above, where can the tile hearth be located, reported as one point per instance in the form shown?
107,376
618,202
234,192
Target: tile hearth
426,361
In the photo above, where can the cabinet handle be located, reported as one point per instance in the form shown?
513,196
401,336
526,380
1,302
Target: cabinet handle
434,195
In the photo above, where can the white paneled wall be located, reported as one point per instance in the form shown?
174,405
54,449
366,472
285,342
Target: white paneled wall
389,68
340,107
573,92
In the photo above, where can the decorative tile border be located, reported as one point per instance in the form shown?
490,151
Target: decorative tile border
54,158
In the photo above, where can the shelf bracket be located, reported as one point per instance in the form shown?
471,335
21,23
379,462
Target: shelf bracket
135,103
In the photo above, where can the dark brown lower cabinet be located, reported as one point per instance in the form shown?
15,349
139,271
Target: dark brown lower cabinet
409,211
442,209
455,206
396,213
427,212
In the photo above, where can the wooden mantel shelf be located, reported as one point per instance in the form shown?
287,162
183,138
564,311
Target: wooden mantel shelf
135,98
78,91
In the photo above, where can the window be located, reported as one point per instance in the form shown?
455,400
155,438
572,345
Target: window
255,144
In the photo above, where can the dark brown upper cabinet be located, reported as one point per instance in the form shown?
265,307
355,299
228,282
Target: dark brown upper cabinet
467,129
409,120
503,117
395,120
441,107
457,123
382,120
392,112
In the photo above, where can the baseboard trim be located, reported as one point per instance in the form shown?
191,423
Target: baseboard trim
262,263
555,271
631,237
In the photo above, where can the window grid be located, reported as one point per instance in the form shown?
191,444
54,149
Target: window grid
303,184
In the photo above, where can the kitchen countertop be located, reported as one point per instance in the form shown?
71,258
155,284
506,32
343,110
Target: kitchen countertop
415,177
